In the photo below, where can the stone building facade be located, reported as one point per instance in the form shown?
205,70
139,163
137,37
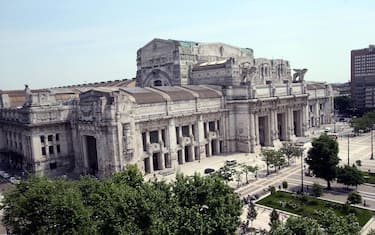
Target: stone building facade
99,128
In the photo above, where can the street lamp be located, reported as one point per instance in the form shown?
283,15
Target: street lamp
301,153
348,148
372,143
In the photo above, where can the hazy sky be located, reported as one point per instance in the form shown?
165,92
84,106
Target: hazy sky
56,43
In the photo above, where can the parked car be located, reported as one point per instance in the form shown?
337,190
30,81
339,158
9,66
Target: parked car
231,162
208,170
14,180
4,175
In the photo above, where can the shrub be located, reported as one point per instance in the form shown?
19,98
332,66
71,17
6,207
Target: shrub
285,184
313,203
354,198
317,190
272,189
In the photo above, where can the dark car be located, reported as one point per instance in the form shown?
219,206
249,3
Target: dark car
208,170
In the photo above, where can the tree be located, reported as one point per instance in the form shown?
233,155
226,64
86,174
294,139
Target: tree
272,157
354,198
226,173
123,204
274,219
247,169
251,213
285,184
334,224
192,193
317,190
42,206
291,150
303,225
350,176
366,122
343,104
323,158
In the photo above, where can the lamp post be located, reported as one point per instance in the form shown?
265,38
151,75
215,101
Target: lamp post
372,143
348,148
301,171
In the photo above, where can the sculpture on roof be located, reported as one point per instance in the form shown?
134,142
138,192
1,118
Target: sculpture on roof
28,96
299,75
248,71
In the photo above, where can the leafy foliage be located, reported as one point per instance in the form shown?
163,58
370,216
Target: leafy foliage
317,190
323,158
333,224
247,169
124,204
272,158
354,198
274,220
350,176
366,122
291,150
343,104
251,212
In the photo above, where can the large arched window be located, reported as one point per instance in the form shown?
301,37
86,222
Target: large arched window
158,83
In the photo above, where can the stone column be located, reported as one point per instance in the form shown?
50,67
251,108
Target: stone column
151,163
172,142
200,139
192,153
252,133
161,161
272,126
256,117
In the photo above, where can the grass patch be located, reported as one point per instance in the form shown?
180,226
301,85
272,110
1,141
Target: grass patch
369,177
305,206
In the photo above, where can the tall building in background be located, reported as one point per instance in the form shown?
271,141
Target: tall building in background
363,77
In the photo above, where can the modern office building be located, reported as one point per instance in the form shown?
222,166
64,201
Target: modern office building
363,78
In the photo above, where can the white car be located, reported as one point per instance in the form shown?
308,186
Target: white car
14,180
4,174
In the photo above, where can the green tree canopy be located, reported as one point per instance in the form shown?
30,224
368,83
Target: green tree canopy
124,204
350,176
365,122
323,158
291,150
354,198
272,157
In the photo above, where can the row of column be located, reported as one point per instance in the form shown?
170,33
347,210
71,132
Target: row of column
270,126
176,154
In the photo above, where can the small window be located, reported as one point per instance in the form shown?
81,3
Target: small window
42,140
50,137
58,148
53,165
44,151
50,149
57,137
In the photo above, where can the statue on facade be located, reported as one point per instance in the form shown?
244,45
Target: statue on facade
28,96
299,74
248,72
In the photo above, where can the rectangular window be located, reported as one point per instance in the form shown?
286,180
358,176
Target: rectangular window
57,137
185,131
42,140
53,165
58,148
218,125
163,136
50,137
178,135
50,149
44,151
154,137
211,126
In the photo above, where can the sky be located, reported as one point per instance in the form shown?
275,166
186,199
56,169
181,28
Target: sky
56,43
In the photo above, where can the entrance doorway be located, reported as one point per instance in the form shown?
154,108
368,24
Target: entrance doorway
92,156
